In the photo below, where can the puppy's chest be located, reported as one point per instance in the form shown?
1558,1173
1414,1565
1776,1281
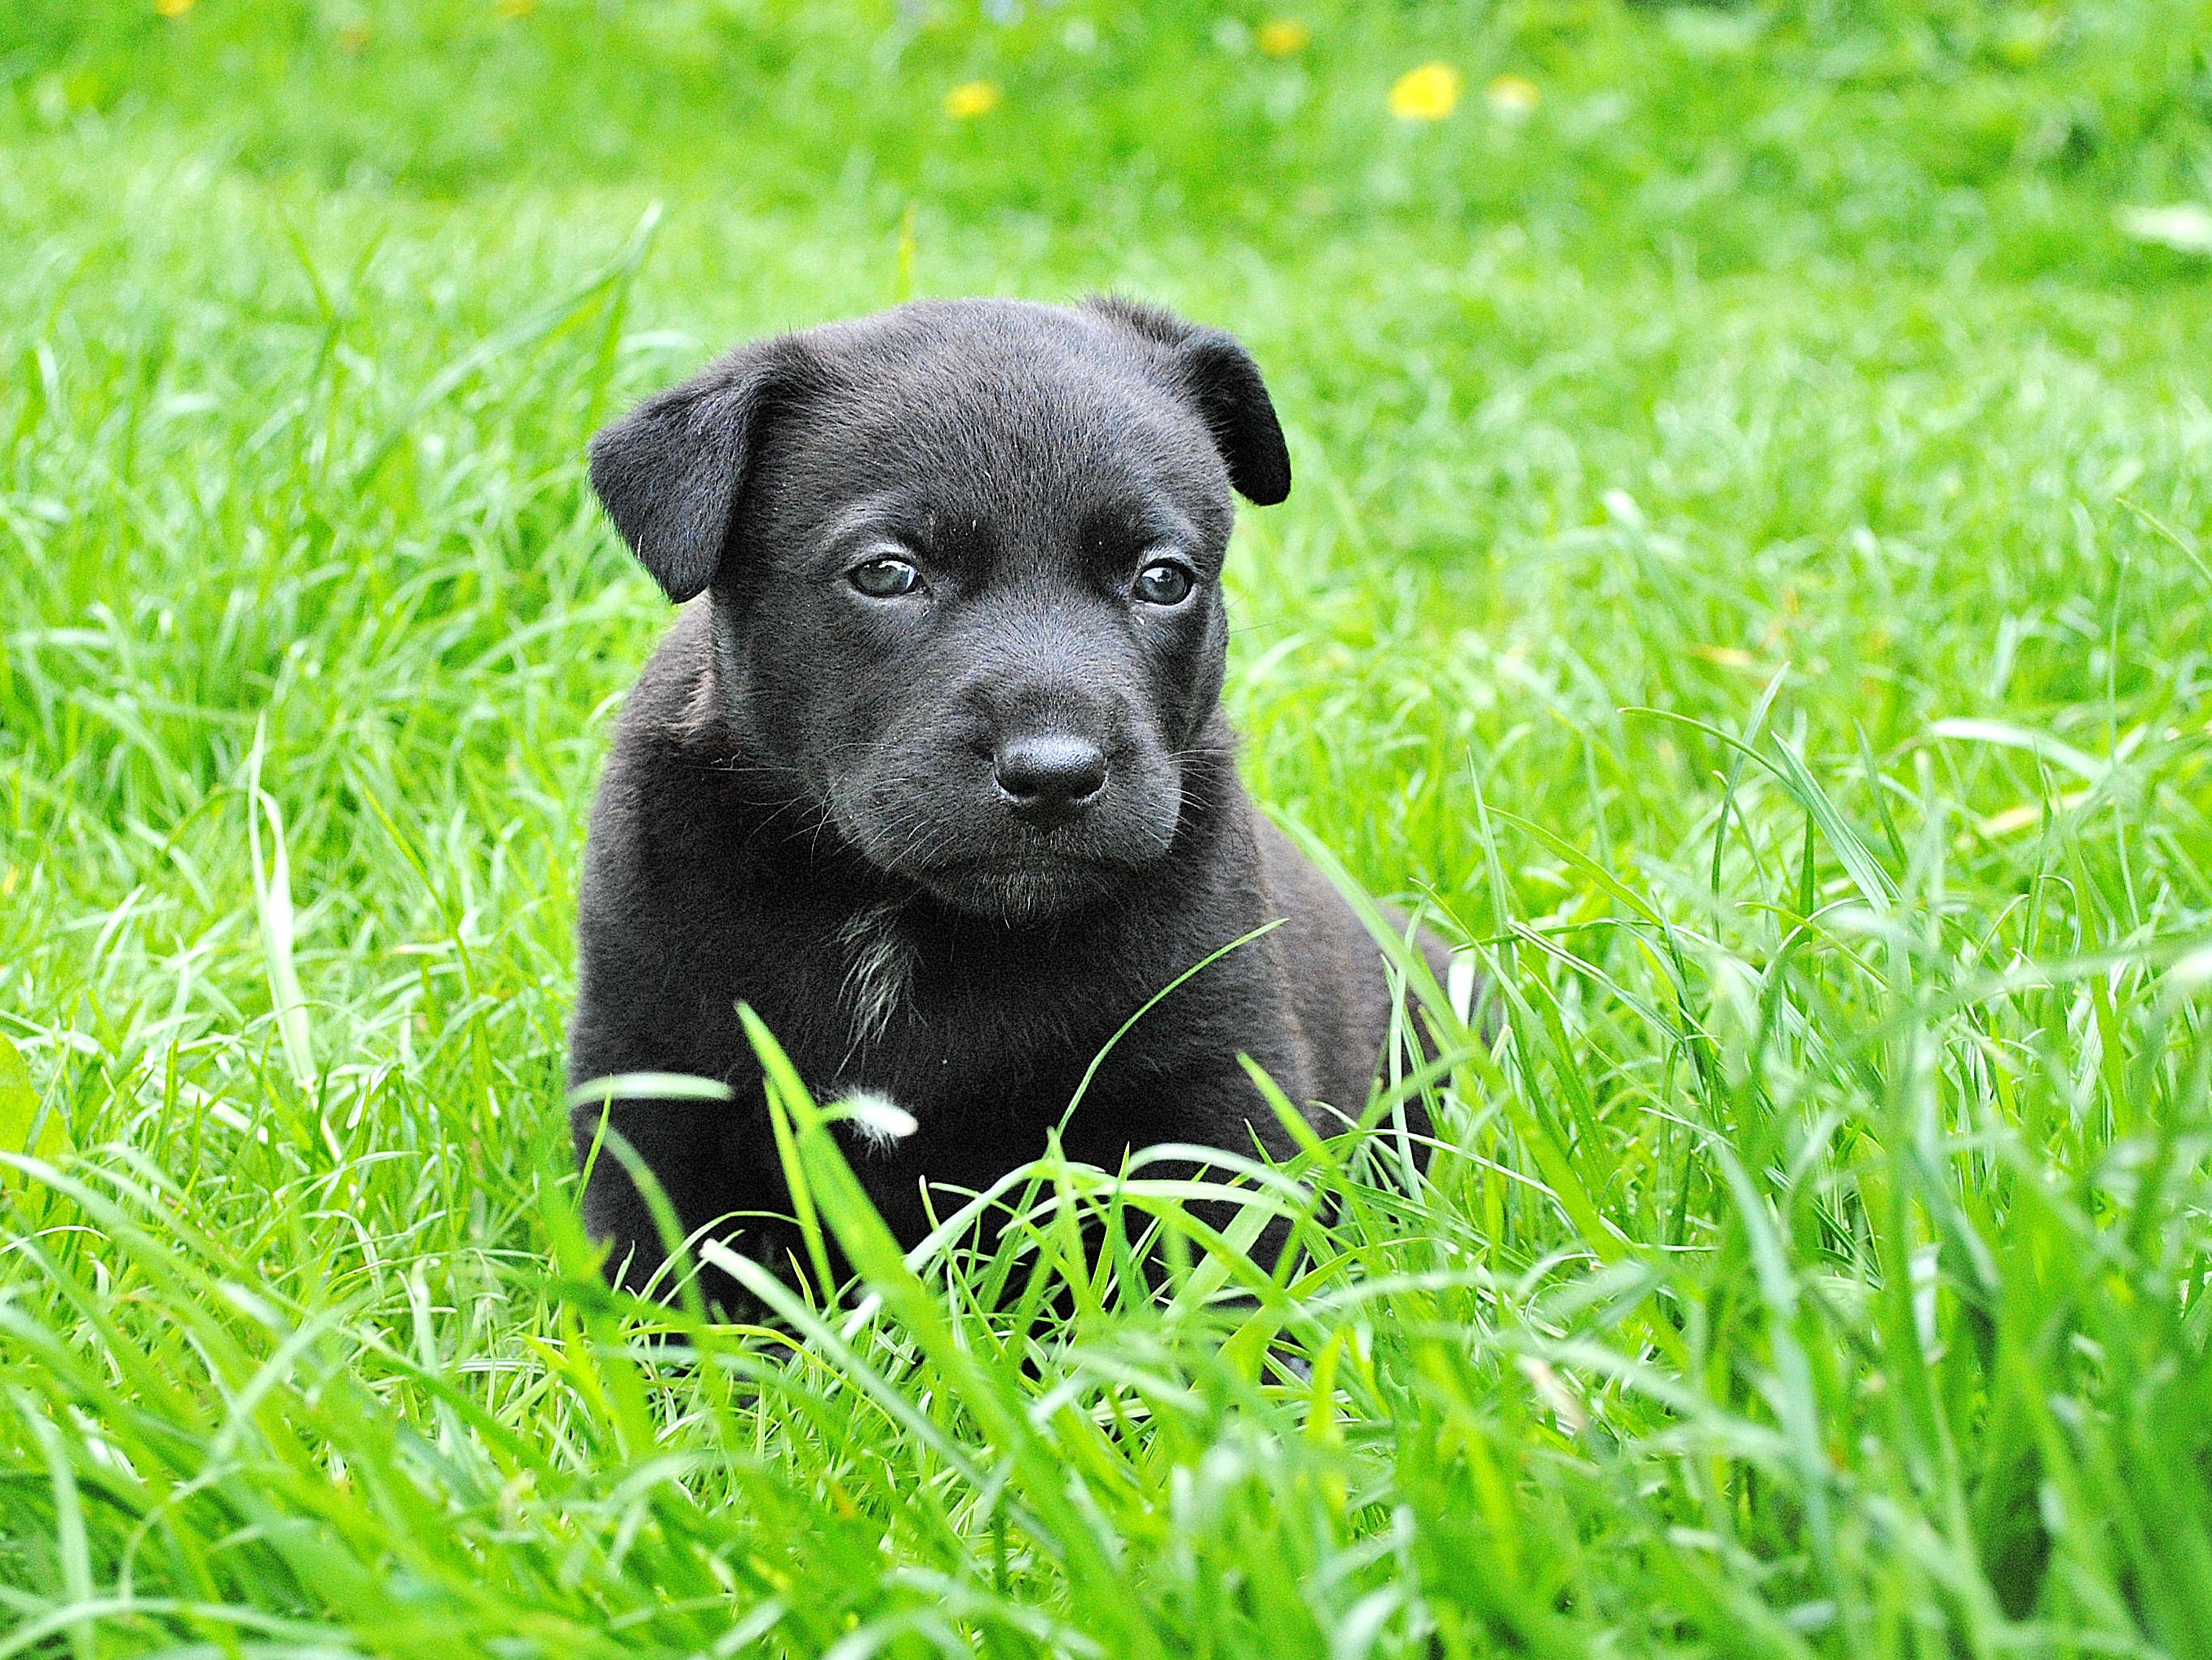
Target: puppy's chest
949,1026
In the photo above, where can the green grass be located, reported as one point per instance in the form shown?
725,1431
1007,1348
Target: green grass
1749,570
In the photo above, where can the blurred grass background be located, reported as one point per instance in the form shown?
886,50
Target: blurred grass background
1915,135
1747,571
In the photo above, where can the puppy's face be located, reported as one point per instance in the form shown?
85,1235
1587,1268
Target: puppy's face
968,586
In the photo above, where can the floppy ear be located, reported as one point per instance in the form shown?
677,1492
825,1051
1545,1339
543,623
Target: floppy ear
1212,369
1224,383
668,472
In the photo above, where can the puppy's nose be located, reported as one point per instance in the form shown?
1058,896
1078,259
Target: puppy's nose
1049,778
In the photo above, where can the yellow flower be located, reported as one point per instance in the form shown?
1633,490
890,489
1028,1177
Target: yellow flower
353,37
1427,93
509,11
971,99
1284,36
1511,98
172,8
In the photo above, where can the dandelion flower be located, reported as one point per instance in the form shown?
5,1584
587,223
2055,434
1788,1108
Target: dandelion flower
971,99
1511,98
1284,36
1427,93
172,8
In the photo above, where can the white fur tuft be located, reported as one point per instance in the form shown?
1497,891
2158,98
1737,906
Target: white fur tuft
882,970
878,1122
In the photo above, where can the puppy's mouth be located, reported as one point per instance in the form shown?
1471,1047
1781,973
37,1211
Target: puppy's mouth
982,863
1029,885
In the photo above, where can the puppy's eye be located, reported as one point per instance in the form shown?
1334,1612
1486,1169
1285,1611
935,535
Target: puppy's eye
885,579
1163,582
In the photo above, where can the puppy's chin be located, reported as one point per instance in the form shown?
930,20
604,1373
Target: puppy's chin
1022,892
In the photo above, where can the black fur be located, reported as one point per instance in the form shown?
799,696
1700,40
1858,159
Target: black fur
816,802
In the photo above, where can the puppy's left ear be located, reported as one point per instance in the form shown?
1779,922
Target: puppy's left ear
669,473
1212,369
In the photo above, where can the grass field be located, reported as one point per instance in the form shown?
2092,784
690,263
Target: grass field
1750,571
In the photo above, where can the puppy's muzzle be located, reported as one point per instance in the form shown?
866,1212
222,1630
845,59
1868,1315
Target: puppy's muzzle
1048,779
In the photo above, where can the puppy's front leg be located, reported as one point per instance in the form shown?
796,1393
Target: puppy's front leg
692,1147
1217,1107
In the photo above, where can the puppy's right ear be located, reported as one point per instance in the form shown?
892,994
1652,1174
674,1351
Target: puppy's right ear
668,472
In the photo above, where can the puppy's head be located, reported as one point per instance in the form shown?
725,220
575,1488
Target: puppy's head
964,560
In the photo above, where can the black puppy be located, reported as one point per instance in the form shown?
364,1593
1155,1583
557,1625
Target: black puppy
937,779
